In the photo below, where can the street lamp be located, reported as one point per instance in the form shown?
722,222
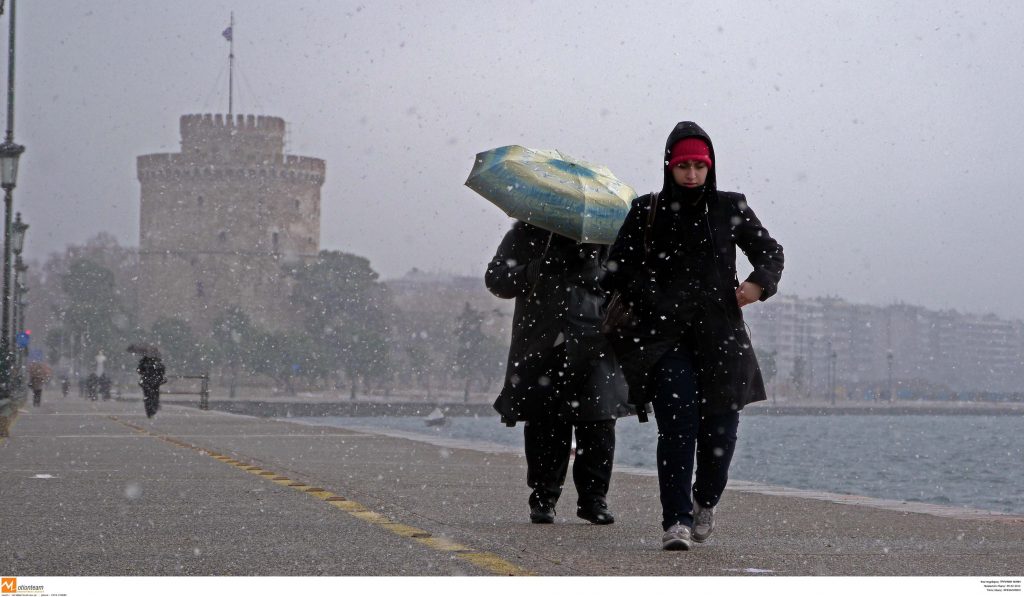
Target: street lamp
10,152
18,229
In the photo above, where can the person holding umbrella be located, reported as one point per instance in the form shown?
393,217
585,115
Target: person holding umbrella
151,376
561,375
38,375
684,347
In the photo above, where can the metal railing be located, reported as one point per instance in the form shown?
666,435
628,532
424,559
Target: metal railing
204,389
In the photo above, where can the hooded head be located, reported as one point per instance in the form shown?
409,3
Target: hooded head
696,145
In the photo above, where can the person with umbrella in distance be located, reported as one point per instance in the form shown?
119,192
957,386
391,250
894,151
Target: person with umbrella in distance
561,374
38,375
684,348
151,376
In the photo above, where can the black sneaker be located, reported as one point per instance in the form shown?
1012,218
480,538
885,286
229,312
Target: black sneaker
542,514
597,514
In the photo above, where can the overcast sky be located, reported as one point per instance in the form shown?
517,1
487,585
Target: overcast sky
879,142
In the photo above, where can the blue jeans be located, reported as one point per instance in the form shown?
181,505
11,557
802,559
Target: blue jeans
681,430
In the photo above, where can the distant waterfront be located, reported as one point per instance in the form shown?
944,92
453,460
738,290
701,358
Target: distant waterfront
972,461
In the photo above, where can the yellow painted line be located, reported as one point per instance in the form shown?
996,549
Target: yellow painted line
370,516
489,561
481,559
407,531
441,544
349,506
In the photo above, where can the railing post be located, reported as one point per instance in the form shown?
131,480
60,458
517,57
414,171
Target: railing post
204,393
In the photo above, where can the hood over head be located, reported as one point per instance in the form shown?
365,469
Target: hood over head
682,131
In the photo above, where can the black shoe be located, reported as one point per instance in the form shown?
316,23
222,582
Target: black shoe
597,514
542,514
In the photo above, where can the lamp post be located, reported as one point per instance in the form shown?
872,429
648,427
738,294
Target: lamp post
890,358
10,152
20,303
18,229
832,356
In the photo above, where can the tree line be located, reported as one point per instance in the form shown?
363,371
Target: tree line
351,337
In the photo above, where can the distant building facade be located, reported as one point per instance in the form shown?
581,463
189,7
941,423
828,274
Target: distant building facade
902,350
221,221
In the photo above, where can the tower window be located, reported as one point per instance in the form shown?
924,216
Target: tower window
200,292
273,239
199,201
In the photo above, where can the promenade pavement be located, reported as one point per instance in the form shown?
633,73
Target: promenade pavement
96,489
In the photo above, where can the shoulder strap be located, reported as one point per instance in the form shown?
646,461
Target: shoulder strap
547,246
649,227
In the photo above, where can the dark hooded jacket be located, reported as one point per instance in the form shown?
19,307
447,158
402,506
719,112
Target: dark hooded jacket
151,373
683,289
555,282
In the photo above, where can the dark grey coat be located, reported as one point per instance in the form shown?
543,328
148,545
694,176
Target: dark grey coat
693,306
554,281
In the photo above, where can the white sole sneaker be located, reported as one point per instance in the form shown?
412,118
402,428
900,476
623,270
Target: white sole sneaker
703,522
677,538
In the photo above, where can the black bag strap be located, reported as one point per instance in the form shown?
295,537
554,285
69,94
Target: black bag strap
551,235
649,226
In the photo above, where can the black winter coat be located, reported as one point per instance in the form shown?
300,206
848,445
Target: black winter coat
555,282
151,373
683,289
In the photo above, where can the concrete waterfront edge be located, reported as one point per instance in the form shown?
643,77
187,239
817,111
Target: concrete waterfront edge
277,408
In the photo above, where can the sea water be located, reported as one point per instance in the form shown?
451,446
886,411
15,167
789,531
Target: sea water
974,461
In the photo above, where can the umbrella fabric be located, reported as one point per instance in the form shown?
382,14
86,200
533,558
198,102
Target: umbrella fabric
144,349
39,370
551,190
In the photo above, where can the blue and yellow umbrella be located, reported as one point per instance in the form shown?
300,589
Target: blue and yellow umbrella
551,190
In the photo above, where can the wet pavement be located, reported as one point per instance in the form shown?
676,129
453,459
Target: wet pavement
96,489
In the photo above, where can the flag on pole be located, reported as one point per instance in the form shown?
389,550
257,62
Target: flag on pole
227,33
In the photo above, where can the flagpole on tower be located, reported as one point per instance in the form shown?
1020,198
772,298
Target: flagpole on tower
229,33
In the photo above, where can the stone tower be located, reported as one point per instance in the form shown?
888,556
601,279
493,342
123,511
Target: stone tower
221,221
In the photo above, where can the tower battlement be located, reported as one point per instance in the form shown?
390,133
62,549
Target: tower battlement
203,122
180,166
212,135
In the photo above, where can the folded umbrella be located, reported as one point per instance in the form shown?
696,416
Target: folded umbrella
553,191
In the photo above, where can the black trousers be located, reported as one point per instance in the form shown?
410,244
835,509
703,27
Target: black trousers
682,429
151,400
548,447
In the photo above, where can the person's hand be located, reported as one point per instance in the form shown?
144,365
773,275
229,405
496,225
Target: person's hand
747,293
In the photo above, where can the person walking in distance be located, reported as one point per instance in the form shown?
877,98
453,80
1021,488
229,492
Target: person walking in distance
684,347
151,377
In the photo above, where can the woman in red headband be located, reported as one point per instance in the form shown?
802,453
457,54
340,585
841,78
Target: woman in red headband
684,348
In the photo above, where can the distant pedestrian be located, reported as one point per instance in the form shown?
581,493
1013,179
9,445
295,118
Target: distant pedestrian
65,386
92,386
103,386
685,348
38,375
151,377
561,375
